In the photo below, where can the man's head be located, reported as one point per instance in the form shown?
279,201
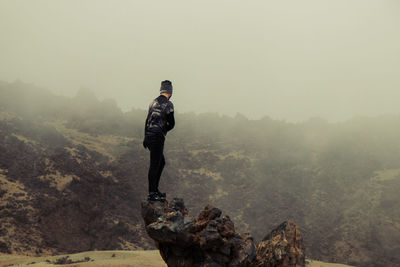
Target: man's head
166,88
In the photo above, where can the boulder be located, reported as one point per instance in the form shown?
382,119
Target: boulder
211,240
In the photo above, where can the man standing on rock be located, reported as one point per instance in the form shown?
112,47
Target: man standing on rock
160,120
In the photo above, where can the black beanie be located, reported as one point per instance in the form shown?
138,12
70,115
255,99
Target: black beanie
166,87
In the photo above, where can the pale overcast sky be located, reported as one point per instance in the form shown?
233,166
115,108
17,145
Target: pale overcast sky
287,60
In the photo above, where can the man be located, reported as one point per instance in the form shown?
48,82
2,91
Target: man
160,120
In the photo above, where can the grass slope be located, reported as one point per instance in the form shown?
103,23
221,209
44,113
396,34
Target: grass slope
143,258
148,258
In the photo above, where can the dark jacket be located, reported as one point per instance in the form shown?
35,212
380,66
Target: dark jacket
160,117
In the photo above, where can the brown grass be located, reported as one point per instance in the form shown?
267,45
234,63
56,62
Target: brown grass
148,258
139,258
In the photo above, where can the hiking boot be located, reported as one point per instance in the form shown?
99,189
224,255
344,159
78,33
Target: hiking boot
161,194
154,196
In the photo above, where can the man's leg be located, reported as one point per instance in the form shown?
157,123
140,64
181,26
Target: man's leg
160,169
156,156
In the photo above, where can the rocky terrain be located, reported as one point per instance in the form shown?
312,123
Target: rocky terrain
211,240
73,175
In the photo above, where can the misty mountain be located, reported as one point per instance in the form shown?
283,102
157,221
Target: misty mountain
73,172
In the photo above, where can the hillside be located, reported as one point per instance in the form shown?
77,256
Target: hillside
73,172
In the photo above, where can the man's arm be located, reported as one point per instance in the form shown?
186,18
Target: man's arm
170,121
145,126
170,116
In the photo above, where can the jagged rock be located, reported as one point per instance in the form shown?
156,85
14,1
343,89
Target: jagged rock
208,240
282,247
211,240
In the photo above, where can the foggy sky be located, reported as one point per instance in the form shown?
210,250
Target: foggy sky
287,60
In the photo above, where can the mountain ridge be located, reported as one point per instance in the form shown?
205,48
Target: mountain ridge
68,160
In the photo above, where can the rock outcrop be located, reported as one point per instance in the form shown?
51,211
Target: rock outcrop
282,247
211,240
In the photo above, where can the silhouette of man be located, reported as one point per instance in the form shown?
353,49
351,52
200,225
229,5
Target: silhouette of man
160,119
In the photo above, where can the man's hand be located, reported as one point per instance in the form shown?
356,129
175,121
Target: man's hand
144,143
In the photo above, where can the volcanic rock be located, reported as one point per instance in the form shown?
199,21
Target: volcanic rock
211,240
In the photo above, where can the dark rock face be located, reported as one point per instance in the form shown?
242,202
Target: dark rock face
211,240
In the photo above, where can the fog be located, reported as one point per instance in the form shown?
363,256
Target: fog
288,60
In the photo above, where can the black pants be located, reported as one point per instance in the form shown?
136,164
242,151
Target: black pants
157,161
